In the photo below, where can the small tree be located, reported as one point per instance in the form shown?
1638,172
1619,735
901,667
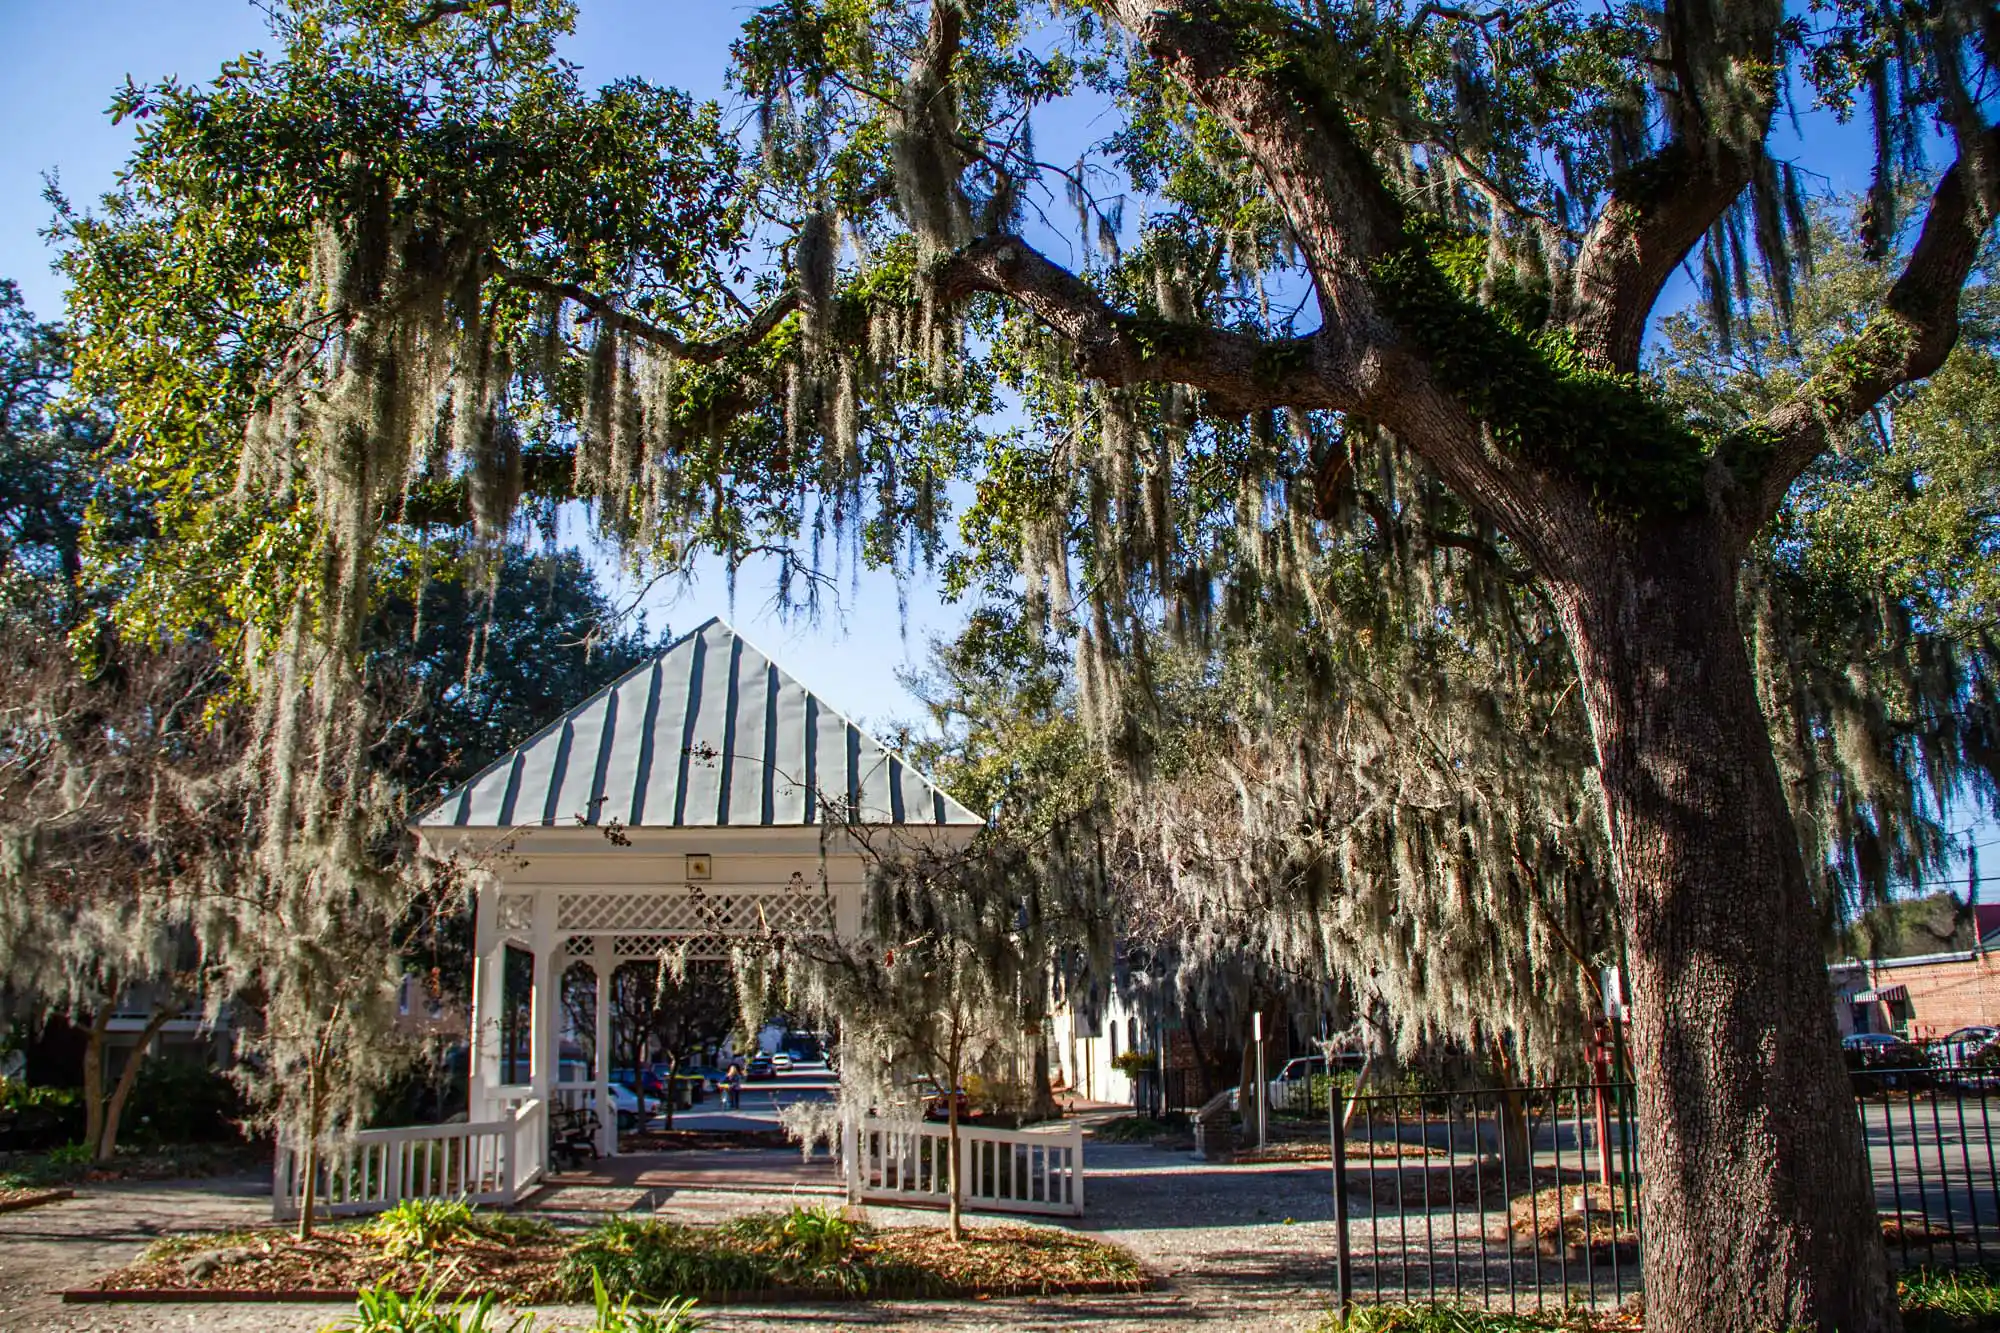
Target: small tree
935,988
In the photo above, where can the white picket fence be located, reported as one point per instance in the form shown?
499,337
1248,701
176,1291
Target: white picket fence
486,1161
1004,1170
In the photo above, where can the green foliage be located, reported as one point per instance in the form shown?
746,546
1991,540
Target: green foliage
416,1228
669,1317
806,1247
656,1260
1965,1300
1138,1128
381,1309
803,1249
1532,389
16,1096
182,1101
1135,1062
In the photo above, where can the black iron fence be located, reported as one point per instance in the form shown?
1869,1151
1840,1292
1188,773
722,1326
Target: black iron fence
1158,1093
1516,1199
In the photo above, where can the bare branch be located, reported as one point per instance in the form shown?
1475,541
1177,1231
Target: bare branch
1907,340
1239,372
609,316
1658,212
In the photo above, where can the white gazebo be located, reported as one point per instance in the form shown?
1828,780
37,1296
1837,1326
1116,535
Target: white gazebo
707,796
704,798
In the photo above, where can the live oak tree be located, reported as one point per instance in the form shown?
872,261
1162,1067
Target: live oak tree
411,270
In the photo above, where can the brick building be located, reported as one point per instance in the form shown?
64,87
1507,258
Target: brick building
1925,996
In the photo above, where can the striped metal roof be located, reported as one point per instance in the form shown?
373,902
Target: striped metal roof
710,733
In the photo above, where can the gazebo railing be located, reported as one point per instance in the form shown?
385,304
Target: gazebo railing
1036,1171
484,1161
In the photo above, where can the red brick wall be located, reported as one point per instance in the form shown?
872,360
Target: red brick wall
1943,995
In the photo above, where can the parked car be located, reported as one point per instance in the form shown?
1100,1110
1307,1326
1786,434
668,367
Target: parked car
1292,1087
760,1066
937,1106
1877,1060
1966,1046
626,1104
781,1061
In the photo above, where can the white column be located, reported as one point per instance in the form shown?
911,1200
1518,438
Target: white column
602,963
488,975
544,1042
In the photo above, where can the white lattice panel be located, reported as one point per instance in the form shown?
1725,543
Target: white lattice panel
517,912
728,913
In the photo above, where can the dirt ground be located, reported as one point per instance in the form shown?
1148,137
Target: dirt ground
1249,1247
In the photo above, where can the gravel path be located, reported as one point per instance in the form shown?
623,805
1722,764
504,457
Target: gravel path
1247,1247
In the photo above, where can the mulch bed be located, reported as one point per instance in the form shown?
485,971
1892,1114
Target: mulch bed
1556,1223
273,1265
13,1200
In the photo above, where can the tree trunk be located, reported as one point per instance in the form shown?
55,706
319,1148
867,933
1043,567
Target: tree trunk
1515,1145
106,1144
1758,1206
1042,1104
952,1206
315,1126
93,1076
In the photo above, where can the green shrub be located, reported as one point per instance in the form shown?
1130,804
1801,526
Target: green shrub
381,1310
670,1317
418,1227
656,1261
813,1249
18,1096
1138,1128
1131,1063
808,1247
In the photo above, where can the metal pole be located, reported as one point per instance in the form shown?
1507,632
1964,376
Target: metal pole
1263,1086
1343,1275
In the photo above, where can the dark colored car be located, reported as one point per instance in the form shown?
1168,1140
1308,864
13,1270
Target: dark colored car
936,1105
1878,1060
760,1066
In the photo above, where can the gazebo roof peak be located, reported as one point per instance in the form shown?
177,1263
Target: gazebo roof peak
708,733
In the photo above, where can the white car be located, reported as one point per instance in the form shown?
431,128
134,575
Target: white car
626,1105
781,1061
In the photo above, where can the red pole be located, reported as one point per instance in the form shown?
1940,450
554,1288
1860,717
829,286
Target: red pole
1600,1068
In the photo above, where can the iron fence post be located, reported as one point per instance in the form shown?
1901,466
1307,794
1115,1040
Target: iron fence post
1337,1132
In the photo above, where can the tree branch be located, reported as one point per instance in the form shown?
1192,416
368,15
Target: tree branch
1720,107
609,316
1292,125
1907,340
1658,212
1239,372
